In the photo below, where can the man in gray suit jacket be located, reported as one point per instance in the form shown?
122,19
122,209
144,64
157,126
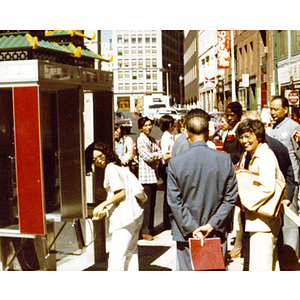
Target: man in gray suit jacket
202,190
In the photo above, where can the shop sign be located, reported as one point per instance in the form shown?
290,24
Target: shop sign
223,55
18,71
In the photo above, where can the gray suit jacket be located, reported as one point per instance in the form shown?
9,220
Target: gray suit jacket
202,188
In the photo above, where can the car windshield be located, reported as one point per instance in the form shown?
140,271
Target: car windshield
165,112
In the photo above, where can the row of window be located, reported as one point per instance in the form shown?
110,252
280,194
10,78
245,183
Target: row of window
140,50
150,87
136,38
283,43
137,75
138,63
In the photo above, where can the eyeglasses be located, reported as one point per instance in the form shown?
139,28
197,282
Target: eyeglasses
99,157
246,136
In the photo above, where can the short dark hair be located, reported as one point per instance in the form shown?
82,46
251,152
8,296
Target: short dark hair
111,156
121,127
236,108
165,122
197,121
284,101
255,126
142,121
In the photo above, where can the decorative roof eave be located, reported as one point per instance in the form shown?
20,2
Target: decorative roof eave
69,32
28,42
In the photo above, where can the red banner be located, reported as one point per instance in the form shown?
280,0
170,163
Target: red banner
224,40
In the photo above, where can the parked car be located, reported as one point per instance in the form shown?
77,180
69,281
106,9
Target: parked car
125,122
166,111
182,111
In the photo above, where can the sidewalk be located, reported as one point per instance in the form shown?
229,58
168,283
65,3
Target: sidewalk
156,255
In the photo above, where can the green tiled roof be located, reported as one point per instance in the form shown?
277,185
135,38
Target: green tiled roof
26,41
67,32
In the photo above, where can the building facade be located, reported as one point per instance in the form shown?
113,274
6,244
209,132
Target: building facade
146,62
190,58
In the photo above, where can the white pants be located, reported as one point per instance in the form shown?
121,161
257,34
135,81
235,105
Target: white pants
263,252
123,254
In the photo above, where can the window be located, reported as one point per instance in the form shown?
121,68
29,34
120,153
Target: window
141,86
134,86
126,73
125,38
120,51
127,86
140,38
295,37
282,48
133,62
134,75
120,75
133,50
154,51
141,74
154,86
126,51
120,63
154,62
126,63
133,39
141,65
147,39
140,51
148,87
154,75
121,87
153,38
119,38
147,62
147,50
148,74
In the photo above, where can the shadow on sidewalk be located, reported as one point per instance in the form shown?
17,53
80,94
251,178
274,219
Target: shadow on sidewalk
148,254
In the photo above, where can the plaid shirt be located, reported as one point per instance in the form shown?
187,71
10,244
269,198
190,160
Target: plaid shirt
149,156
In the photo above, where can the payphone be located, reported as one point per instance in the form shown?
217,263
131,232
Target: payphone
42,149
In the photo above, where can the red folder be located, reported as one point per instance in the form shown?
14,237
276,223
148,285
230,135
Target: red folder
208,257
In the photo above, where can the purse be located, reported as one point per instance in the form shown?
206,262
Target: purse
248,181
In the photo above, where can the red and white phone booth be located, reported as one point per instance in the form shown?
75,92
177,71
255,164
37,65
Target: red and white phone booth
42,147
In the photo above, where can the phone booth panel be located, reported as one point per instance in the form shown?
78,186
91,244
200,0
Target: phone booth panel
28,160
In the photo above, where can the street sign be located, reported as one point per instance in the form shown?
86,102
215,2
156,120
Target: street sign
293,97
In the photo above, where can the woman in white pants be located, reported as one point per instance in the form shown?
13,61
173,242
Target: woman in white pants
125,214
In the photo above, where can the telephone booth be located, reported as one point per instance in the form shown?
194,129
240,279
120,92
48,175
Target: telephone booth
42,158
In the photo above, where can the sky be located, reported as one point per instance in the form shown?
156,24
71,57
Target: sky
106,35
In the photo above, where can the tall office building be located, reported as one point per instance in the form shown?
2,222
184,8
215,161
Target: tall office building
146,62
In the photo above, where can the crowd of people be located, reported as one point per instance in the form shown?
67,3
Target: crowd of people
201,192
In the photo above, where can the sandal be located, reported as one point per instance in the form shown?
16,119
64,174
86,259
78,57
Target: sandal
237,254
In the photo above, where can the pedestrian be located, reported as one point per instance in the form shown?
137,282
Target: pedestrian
231,145
286,168
201,191
263,230
180,126
283,129
124,225
167,125
181,143
123,147
149,156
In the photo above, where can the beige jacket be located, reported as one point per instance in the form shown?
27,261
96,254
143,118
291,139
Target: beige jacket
265,163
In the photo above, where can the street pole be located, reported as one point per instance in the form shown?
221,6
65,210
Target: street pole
180,80
232,69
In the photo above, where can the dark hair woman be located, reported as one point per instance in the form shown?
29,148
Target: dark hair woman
263,230
124,225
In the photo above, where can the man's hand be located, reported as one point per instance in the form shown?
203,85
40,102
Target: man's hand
202,232
296,136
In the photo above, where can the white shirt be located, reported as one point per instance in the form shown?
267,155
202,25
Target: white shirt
167,142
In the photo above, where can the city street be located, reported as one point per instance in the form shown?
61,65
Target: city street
156,255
